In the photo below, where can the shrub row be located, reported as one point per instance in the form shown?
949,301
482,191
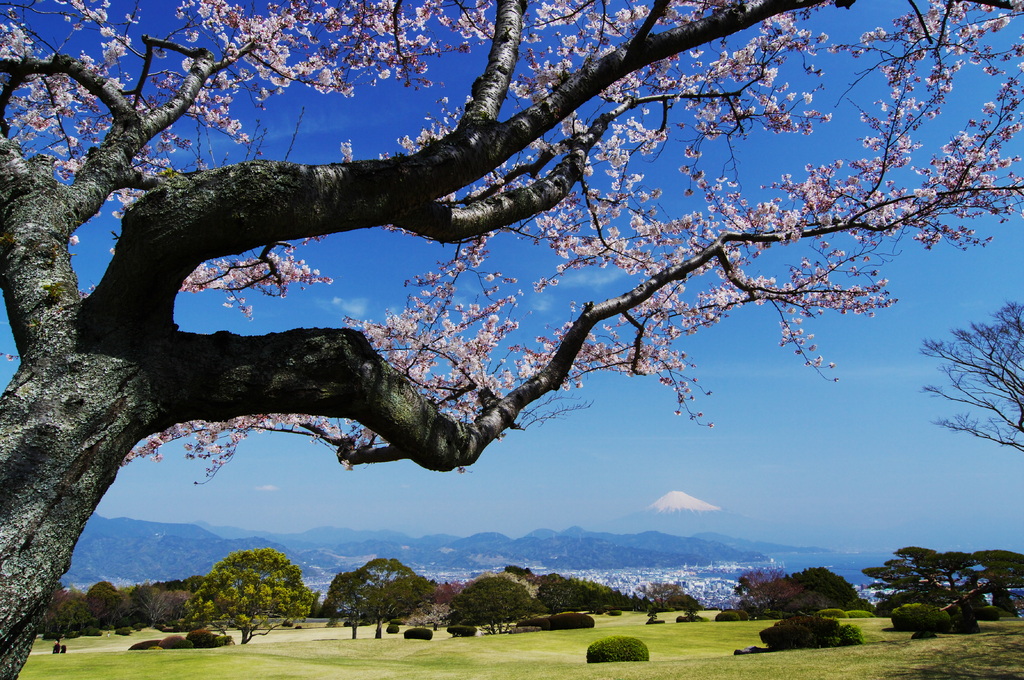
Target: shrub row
202,639
563,621
462,631
732,615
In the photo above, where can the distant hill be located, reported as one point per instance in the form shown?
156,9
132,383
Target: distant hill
126,550
132,551
759,546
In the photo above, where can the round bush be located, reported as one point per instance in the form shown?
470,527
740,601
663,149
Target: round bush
138,626
542,622
571,621
225,640
850,634
617,648
93,631
148,644
728,615
125,630
989,613
418,634
462,631
793,636
202,639
833,614
859,614
915,617
392,629
614,612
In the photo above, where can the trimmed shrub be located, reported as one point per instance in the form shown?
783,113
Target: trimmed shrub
793,636
395,622
810,631
418,634
51,635
202,639
850,634
825,631
571,621
989,613
93,631
859,614
462,631
138,626
915,617
225,640
617,648
524,629
652,620
392,629
542,622
833,614
148,644
614,612
124,630
72,634
727,615
175,642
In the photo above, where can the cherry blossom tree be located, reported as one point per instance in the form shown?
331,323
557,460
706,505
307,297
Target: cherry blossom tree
106,106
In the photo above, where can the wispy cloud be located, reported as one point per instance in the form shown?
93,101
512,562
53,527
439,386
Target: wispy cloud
591,278
356,307
267,487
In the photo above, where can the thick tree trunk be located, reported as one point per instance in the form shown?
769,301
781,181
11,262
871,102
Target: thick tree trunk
65,425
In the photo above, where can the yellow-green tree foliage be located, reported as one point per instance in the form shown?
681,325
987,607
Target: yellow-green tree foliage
254,591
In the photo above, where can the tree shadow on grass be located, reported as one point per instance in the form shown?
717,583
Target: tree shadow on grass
988,656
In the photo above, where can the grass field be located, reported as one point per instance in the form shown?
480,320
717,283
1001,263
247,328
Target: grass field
694,651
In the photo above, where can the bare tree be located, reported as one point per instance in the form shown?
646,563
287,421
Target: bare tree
985,371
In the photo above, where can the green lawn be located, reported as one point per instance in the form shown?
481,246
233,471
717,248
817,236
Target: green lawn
692,650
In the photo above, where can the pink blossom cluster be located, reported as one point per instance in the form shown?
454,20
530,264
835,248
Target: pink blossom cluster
690,246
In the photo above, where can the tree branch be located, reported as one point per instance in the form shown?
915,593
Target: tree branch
491,88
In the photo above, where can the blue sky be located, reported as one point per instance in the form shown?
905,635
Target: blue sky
850,464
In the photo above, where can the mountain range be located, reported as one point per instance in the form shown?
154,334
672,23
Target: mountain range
126,550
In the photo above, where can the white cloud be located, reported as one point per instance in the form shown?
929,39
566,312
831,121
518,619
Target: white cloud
355,307
267,487
591,278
